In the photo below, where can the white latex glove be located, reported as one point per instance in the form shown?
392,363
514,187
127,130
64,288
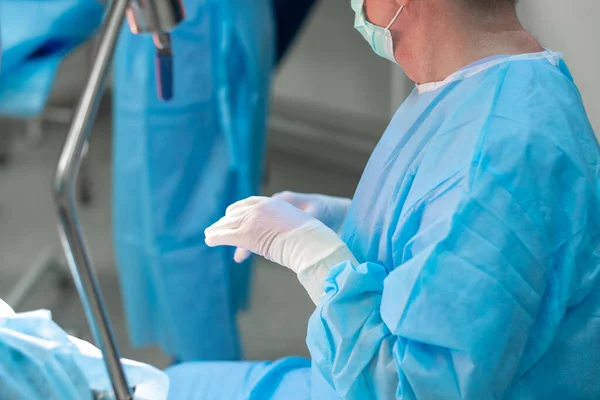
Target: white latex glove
284,234
331,211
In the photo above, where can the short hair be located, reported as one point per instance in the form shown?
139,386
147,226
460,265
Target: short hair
489,5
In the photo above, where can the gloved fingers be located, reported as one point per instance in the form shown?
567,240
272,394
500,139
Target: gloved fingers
245,204
294,199
241,255
312,210
226,222
236,213
222,237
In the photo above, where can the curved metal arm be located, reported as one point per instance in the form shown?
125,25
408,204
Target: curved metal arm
69,228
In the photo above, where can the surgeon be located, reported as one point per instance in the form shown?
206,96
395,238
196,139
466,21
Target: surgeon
468,265
179,164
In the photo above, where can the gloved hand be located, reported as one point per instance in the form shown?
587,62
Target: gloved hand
330,210
284,234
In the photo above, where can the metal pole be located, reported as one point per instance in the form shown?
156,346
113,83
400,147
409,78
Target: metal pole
69,227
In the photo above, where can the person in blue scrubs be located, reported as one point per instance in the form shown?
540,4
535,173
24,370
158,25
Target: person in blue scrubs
467,264
177,165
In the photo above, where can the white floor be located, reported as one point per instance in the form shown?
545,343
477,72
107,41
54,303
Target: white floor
274,327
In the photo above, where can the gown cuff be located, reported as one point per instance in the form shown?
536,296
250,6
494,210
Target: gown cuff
313,277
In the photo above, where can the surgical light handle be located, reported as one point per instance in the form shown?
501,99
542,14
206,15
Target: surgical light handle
71,233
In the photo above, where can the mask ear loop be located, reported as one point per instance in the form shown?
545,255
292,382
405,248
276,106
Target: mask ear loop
394,19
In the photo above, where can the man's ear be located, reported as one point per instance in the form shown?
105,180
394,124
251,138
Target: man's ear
403,2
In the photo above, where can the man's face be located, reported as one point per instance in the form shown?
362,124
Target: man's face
380,12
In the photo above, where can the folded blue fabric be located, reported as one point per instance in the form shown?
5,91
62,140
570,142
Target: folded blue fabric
36,37
39,361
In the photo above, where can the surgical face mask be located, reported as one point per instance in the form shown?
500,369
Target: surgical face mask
378,37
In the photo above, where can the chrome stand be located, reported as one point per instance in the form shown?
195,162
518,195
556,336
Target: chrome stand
155,17
69,227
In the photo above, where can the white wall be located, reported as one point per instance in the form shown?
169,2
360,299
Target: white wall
332,65
573,28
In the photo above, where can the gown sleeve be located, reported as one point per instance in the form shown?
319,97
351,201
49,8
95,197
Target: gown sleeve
453,317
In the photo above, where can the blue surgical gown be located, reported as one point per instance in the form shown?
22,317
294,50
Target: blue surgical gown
476,226
178,165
